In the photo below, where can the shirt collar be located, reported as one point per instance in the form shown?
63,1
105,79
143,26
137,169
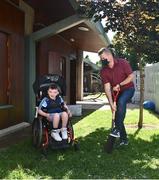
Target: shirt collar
115,63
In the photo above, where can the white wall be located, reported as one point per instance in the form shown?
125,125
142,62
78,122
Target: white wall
152,84
136,97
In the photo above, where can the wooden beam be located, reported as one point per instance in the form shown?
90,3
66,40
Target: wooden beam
57,27
30,73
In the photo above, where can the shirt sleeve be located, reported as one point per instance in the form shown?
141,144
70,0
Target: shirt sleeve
104,77
43,104
127,67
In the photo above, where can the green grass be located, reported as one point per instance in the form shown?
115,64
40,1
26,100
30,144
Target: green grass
139,160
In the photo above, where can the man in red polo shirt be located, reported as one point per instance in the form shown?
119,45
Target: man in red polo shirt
117,74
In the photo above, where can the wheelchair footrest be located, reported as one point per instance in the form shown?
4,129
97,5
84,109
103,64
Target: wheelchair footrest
58,144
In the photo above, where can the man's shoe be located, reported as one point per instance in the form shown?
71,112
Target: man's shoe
55,135
64,133
115,133
124,143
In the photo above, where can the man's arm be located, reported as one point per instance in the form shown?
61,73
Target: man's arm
126,81
107,89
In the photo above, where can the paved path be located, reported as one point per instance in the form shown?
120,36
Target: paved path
102,105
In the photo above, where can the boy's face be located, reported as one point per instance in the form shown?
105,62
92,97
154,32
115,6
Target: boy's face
52,93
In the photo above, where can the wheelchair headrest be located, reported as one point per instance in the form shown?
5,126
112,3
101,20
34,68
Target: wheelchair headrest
43,82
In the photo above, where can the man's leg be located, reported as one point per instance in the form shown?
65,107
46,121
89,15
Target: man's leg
123,99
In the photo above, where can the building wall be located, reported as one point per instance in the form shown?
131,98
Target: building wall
12,24
50,55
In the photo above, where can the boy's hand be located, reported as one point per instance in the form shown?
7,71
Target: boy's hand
69,113
48,116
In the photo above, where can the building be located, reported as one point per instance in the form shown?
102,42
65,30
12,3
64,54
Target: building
36,38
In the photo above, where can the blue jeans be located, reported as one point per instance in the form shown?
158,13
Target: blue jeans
122,100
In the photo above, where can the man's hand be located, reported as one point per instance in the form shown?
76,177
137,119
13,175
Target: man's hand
116,88
113,107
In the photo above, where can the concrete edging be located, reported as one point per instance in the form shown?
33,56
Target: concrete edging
14,128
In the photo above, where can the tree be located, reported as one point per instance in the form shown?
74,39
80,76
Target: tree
136,20
122,49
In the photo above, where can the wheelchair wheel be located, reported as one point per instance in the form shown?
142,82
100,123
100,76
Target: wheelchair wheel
37,132
70,132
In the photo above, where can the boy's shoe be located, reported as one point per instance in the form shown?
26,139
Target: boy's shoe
64,133
115,133
124,143
55,135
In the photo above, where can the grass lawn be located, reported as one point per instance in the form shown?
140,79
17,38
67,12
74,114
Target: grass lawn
138,160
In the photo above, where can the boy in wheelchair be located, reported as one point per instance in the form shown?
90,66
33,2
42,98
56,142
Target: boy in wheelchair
54,109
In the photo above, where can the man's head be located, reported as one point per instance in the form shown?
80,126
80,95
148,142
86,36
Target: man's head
106,57
53,91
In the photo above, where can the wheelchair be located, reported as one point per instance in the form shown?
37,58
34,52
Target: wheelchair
41,127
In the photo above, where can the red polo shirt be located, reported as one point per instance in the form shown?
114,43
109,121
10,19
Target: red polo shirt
120,71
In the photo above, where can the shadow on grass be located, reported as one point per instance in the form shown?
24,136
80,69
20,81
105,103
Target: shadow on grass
85,112
156,114
138,160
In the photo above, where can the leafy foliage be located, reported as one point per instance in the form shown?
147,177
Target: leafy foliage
136,21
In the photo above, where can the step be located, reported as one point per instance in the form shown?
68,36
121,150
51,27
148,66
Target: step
14,128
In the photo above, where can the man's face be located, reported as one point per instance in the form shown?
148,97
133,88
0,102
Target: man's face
108,56
52,93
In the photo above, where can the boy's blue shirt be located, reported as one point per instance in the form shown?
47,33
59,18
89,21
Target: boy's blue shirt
50,105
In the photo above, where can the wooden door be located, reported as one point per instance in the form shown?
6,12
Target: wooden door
3,79
3,68
54,63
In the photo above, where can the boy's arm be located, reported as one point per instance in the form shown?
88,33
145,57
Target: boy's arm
42,105
65,107
42,113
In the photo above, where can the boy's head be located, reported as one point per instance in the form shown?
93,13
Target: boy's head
53,91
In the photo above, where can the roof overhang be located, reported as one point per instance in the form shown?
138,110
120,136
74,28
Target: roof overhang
91,40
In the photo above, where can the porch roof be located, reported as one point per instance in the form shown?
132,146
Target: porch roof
48,13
